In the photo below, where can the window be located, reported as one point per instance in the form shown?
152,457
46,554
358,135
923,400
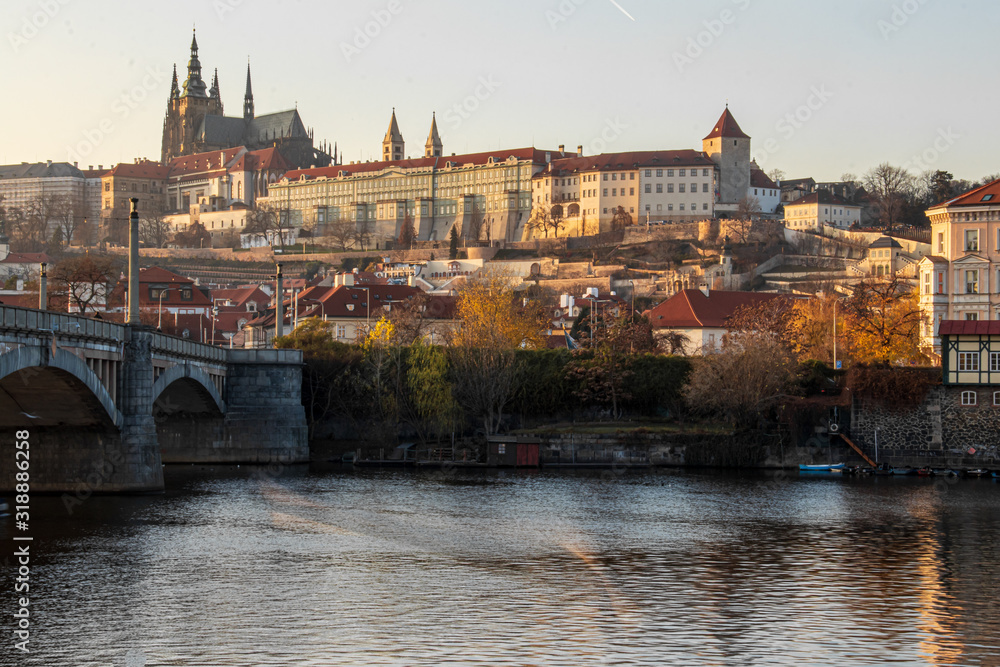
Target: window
647,208
704,187
968,398
649,188
968,362
614,177
680,172
940,282
682,207
941,243
605,190
605,177
927,283
670,172
694,187
971,317
995,362
670,187
704,172
649,173
704,207
972,240
659,188
341,331
680,187
631,191
972,281
659,173
670,207
631,176
501,448
996,398
107,186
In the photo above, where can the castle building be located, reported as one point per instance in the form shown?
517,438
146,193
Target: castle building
392,145
729,148
195,123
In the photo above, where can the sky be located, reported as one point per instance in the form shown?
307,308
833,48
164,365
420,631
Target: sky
823,88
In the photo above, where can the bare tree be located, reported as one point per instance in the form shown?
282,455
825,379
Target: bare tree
776,175
154,230
747,211
269,224
621,219
475,226
87,280
889,190
341,232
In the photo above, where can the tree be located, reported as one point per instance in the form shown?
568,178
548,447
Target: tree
269,224
621,219
453,242
776,175
882,321
540,220
154,230
87,279
475,227
747,211
341,232
68,214
407,234
940,187
195,236
493,325
889,189
431,405
775,318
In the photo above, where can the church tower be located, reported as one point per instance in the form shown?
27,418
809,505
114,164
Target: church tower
248,99
729,147
392,145
433,147
186,109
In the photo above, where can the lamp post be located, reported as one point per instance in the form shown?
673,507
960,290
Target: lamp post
159,308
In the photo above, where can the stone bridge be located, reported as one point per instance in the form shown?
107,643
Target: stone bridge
106,405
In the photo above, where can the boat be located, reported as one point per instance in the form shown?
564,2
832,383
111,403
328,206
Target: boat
904,471
977,472
996,475
924,472
945,472
823,467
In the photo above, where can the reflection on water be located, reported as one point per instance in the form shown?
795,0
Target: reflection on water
402,568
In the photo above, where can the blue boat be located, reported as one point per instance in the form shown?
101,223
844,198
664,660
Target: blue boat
824,467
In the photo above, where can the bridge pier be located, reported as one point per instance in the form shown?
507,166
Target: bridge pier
141,469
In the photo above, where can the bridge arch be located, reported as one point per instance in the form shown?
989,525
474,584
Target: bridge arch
39,364
191,374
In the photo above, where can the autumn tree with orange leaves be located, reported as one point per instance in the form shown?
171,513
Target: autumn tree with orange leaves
882,322
494,323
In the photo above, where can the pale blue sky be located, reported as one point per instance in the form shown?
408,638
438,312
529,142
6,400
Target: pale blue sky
887,80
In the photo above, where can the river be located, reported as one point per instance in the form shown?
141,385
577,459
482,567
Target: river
666,567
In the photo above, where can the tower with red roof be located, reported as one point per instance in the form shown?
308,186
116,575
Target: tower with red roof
729,147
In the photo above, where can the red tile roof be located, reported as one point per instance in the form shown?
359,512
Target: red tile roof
758,179
146,169
984,195
690,308
727,127
202,162
533,154
821,197
26,258
632,160
969,328
240,296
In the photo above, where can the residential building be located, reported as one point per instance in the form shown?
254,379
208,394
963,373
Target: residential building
961,279
163,292
584,192
970,355
144,180
796,188
195,123
56,191
699,316
812,212
764,190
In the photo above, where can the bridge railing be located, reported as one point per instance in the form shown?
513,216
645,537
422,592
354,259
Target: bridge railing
181,347
13,318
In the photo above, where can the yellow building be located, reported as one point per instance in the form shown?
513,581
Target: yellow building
812,212
961,279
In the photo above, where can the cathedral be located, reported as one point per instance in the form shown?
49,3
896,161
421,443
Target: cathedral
195,123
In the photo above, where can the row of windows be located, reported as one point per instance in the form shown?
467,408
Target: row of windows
968,362
670,172
972,398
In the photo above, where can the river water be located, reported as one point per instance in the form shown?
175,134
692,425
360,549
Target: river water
667,567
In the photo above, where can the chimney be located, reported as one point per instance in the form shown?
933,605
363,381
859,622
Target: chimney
704,288
48,163
579,150
562,148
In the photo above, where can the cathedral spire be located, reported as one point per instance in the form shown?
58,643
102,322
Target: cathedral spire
433,147
213,92
193,85
248,98
175,91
